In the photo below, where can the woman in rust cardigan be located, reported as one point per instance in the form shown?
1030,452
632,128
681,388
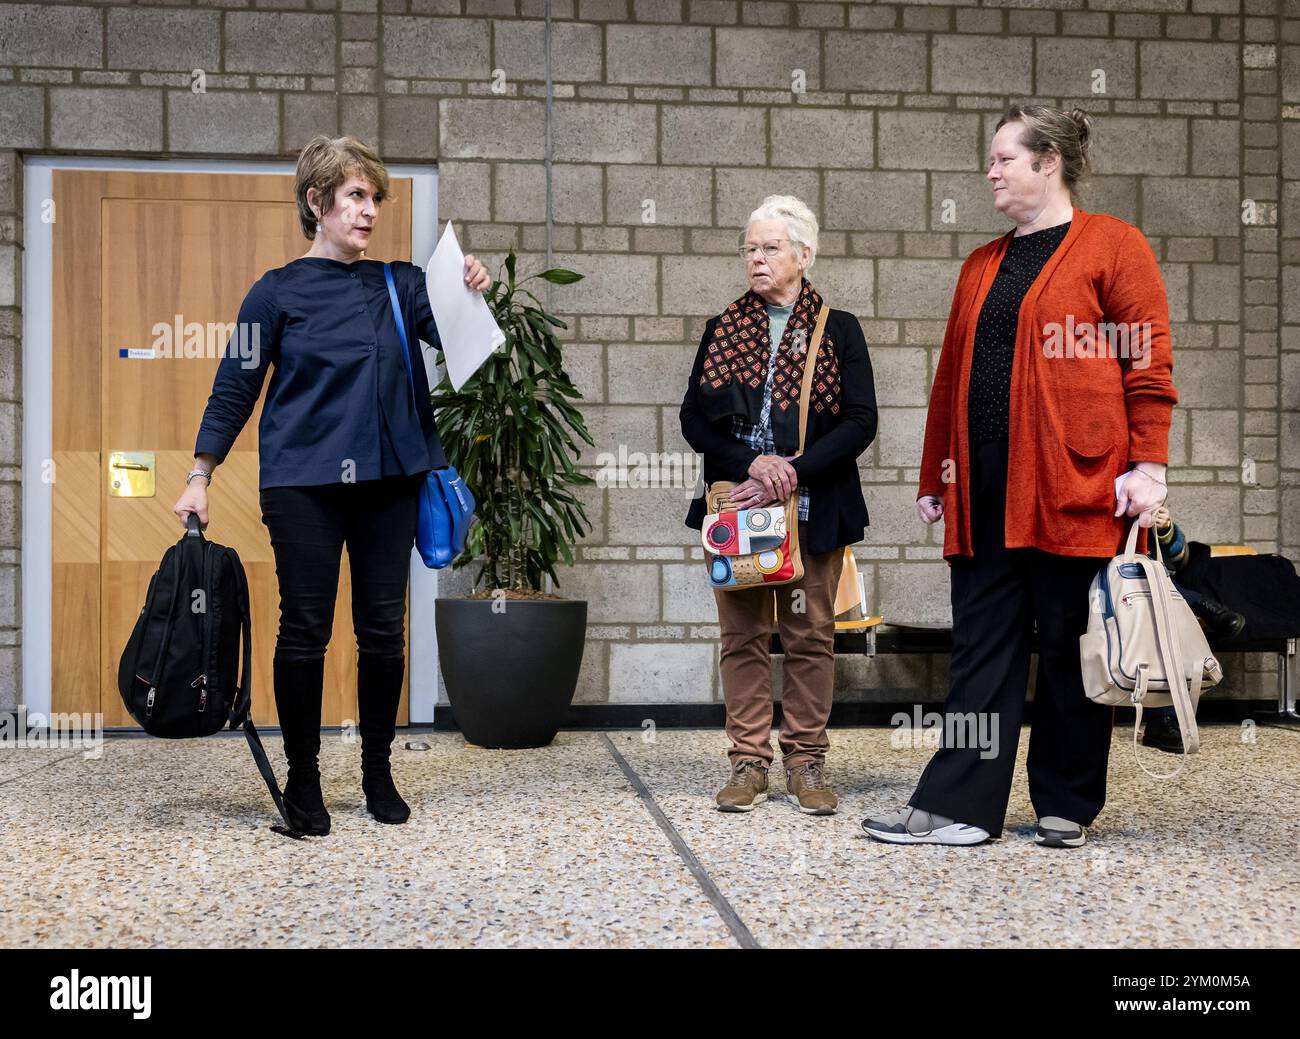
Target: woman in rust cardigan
1048,428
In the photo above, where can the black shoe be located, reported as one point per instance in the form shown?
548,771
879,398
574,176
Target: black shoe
305,805
379,689
298,686
1221,620
1161,731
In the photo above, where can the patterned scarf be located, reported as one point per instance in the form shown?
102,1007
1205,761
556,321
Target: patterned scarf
735,366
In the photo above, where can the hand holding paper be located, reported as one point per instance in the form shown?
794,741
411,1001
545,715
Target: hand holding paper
476,275
466,327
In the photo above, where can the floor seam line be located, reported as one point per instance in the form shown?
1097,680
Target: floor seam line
725,909
39,768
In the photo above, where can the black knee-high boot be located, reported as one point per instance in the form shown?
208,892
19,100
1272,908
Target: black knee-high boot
298,689
379,689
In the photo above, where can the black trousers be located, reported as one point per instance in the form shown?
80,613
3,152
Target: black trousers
309,526
999,595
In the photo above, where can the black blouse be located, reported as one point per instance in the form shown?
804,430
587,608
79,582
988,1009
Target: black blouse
339,404
988,400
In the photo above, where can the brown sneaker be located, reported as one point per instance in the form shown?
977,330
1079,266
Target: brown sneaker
746,789
809,787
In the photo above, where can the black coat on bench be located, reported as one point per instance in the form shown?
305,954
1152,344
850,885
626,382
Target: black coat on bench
1264,589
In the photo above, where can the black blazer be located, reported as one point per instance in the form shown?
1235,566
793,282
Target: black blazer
837,512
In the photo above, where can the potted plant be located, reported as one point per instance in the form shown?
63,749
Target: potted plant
510,652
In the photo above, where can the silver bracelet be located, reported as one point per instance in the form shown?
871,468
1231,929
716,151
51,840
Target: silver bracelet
198,472
1150,477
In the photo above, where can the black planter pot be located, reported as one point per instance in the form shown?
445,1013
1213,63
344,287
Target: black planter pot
510,674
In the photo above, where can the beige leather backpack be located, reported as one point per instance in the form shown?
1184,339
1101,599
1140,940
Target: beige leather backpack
1144,646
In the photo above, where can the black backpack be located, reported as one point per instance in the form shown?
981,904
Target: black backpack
182,673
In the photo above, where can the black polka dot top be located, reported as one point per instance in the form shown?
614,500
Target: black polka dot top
988,400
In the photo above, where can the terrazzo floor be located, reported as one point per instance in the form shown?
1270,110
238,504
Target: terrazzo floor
612,840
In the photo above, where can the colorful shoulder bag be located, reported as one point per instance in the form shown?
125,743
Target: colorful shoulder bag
744,548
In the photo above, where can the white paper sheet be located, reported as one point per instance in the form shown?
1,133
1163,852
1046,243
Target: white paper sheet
468,331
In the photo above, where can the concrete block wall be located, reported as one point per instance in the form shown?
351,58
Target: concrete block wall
670,119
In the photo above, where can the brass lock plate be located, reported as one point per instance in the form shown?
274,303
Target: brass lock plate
131,474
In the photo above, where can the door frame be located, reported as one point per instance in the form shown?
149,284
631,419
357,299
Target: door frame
38,412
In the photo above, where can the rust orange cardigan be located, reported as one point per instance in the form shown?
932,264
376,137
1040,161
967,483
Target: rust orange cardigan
1076,421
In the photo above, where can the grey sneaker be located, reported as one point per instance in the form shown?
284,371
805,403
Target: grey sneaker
1054,832
912,826
745,790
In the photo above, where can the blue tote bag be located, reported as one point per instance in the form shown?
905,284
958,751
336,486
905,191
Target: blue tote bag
446,504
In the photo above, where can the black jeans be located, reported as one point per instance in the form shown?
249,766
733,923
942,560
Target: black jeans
309,527
998,596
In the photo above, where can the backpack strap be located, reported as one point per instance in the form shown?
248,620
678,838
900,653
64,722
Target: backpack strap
243,704
268,774
1184,690
242,711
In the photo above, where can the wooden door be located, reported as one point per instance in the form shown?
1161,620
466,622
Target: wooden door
163,260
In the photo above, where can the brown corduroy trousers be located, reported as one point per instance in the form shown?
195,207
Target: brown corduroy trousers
806,622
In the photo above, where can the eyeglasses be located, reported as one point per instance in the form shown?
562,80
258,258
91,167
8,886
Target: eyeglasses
769,249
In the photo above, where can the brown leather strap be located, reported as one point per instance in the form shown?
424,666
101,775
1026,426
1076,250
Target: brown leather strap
809,370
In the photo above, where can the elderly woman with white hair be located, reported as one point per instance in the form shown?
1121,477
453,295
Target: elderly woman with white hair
741,412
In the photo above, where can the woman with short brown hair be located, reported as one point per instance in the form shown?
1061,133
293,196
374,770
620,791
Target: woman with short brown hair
344,443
